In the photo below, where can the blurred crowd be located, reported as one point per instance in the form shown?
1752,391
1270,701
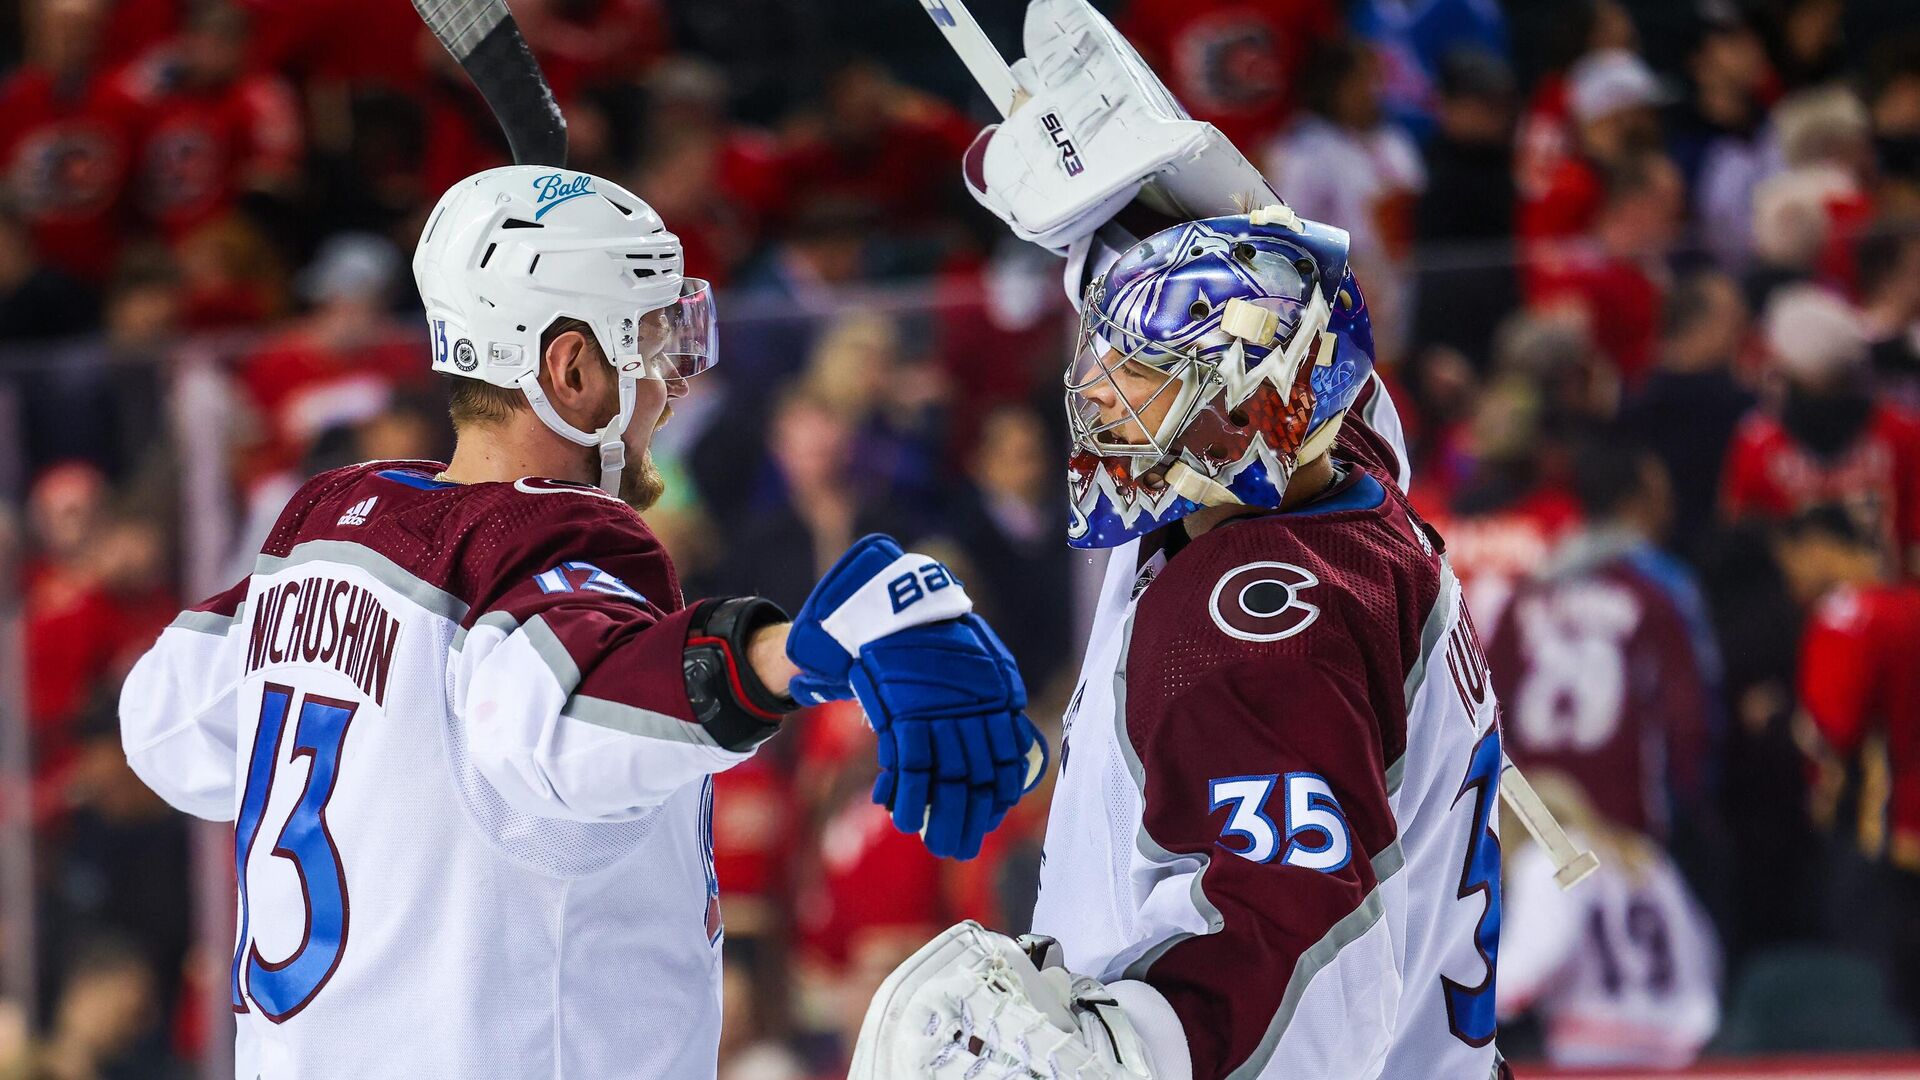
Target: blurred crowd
1646,282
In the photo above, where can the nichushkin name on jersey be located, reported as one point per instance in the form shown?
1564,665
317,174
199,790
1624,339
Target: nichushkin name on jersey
323,620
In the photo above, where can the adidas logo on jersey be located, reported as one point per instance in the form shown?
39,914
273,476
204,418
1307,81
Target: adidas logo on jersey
358,513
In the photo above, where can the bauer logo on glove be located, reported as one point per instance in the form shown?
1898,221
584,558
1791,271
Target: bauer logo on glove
897,632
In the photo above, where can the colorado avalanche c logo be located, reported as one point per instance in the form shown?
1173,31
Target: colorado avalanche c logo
1261,601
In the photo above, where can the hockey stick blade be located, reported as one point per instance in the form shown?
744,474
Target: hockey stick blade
483,37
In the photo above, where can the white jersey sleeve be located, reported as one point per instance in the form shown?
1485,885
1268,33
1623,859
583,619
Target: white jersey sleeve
568,680
178,712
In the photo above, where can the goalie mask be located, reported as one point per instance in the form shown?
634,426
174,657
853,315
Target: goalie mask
1242,339
510,250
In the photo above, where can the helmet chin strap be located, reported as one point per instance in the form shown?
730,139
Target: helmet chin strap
613,448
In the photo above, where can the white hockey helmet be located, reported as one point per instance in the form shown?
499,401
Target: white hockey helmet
508,251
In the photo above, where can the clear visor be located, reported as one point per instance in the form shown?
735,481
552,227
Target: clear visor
678,341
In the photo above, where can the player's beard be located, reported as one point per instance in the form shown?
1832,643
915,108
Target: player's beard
641,484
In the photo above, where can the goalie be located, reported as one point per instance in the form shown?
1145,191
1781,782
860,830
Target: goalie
1272,850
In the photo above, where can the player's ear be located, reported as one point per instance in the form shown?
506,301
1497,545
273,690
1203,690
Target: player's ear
564,365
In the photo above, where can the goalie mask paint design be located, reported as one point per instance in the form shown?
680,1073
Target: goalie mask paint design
1263,339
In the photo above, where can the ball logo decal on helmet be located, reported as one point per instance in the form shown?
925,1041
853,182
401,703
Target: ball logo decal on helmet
464,357
555,188
1261,601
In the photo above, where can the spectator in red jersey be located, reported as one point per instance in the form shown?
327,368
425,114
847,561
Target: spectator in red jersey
1603,661
1827,440
459,136
865,898
1860,687
65,507
91,600
1236,64
587,44
998,323
1611,99
1546,134
1618,274
339,364
882,145
339,45
756,822
216,133
230,275
66,140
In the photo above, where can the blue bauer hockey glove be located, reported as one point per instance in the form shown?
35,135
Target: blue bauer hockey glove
944,697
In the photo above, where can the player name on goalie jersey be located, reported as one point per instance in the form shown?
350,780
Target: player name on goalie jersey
327,621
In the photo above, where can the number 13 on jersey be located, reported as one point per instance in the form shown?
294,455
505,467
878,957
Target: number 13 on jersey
281,988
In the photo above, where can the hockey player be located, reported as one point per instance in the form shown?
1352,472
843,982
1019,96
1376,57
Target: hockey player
464,723
1272,849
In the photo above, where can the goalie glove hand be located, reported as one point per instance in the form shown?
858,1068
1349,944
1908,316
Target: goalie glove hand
943,695
971,1003
1097,130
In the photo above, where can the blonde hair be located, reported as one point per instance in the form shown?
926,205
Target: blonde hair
1823,124
841,372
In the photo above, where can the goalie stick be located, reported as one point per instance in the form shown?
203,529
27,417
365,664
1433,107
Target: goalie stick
990,70
483,37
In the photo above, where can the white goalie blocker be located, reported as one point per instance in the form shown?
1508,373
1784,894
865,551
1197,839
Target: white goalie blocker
971,1005
1089,129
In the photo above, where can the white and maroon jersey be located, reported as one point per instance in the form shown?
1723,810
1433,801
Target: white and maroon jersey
1600,680
472,808
1622,971
1277,792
